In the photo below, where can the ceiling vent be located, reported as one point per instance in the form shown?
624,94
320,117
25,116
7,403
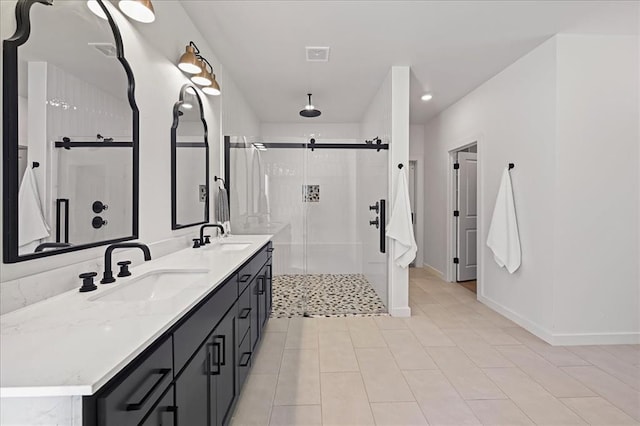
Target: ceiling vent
317,54
107,49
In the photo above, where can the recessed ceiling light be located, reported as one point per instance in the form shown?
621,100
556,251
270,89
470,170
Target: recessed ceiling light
427,97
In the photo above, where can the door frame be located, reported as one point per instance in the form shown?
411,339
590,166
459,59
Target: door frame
450,275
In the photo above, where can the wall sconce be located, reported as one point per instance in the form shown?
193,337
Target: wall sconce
138,10
200,70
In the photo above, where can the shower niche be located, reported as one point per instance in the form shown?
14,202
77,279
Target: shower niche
70,135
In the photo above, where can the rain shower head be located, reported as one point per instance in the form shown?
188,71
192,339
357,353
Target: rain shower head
309,110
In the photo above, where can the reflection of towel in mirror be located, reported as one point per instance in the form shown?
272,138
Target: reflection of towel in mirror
503,237
222,204
400,228
31,225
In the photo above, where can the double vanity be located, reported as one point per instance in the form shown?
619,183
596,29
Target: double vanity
171,344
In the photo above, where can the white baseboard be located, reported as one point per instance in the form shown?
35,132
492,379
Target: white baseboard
400,312
434,271
530,326
629,338
561,339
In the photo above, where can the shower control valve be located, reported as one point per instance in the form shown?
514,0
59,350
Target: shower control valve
375,223
375,207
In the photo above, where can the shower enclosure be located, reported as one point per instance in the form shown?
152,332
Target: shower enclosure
321,199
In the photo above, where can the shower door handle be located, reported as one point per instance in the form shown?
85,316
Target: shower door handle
383,226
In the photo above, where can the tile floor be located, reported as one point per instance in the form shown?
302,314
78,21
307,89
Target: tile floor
454,362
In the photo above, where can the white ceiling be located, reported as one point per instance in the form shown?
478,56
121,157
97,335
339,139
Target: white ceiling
451,46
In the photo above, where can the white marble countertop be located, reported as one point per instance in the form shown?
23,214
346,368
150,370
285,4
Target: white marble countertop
70,345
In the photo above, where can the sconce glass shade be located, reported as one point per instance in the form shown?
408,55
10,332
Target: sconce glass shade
189,62
203,78
214,88
96,9
139,10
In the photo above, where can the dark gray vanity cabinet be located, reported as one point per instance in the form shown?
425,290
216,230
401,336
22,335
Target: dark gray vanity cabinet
192,375
164,413
192,389
223,374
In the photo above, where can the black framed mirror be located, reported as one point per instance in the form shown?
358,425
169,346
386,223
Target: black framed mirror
70,132
189,161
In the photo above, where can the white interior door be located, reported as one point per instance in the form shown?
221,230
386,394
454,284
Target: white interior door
468,216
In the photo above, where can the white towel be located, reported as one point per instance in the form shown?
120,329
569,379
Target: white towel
31,224
503,237
400,228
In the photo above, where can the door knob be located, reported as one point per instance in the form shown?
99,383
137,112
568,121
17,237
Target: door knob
98,207
375,207
375,223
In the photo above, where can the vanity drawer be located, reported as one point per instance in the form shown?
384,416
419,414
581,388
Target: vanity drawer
244,315
248,272
128,400
195,329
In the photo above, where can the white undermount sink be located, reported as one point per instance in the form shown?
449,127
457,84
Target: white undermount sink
153,285
234,246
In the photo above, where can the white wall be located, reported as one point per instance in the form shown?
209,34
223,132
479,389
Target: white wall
597,284
152,51
388,118
416,153
568,149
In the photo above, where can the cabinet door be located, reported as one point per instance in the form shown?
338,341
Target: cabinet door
255,314
192,390
263,307
223,383
269,288
164,413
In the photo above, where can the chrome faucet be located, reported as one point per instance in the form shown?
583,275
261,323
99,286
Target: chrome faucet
209,225
107,277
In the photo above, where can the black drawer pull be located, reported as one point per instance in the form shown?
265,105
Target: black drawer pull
245,363
244,278
138,405
244,314
270,250
214,365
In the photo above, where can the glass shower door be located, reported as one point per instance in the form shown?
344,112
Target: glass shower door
346,270
266,198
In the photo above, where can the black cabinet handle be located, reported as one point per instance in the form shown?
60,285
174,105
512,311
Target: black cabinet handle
245,363
260,285
222,348
244,278
214,367
270,250
138,405
244,314
173,409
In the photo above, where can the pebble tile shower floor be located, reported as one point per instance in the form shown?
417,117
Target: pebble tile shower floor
327,295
